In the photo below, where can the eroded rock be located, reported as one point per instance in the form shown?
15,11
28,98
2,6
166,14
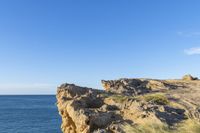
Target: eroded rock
127,103
135,86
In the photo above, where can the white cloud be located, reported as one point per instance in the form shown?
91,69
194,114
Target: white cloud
192,51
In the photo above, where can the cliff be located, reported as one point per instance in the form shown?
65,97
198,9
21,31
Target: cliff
131,106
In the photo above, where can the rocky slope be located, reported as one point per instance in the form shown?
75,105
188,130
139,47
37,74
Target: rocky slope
131,106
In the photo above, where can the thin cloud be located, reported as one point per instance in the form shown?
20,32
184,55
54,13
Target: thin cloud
189,34
35,88
192,51
27,86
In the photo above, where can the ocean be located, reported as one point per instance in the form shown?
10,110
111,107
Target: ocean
29,114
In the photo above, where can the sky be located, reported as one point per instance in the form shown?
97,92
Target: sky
44,43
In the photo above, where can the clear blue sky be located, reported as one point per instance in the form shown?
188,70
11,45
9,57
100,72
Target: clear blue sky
44,43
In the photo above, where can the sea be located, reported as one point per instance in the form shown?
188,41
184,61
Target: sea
29,114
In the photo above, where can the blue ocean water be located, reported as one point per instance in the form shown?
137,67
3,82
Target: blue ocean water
29,114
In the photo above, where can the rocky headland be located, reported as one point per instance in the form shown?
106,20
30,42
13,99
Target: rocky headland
131,106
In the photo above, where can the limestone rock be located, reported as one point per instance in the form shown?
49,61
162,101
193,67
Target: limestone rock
125,86
128,103
135,86
80,110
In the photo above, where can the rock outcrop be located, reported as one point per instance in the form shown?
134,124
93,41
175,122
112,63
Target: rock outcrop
130,106
135,86
189,78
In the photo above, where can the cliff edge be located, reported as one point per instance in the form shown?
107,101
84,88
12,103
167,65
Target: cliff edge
131,106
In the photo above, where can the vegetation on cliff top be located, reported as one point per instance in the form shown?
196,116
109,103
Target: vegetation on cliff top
131,106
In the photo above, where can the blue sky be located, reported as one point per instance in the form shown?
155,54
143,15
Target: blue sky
44,43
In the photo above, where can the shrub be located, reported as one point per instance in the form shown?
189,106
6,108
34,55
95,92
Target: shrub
157,98
119,98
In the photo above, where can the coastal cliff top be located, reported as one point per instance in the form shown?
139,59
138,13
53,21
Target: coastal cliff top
131,106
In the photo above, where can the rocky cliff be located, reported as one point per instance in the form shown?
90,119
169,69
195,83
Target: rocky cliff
131,106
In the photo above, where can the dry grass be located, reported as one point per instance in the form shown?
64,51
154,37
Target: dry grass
188,126
148,128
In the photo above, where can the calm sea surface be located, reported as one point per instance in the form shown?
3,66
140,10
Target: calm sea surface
29,114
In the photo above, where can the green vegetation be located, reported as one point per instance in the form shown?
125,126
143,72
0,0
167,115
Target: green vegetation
119,98
105,95
157,98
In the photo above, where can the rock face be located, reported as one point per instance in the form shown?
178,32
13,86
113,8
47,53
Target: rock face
135,86
76,106
130,106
